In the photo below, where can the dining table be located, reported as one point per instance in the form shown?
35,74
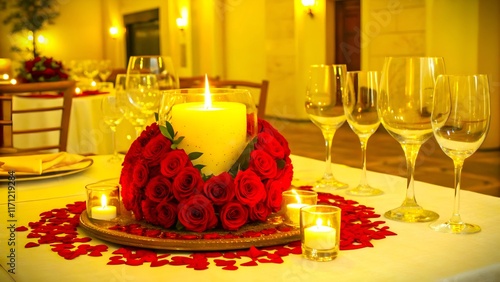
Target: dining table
415,253
88,133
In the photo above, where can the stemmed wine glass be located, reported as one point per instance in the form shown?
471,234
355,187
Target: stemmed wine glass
323,105
146,76
112,115
132,113
404,107
360,106
460,121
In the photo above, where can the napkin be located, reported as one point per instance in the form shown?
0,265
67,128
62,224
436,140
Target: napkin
38,164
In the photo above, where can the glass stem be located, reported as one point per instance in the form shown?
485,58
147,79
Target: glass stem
328,135
411,153
455,218
364,144
113,138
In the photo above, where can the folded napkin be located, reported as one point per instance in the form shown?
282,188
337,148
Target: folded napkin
38,164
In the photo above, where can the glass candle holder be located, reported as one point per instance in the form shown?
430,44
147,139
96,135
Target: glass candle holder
293,201
217,122
103,200
320,232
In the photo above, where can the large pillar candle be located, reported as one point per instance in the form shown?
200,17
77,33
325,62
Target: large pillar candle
217,130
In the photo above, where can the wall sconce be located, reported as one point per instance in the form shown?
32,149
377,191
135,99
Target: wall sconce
182,21
308,4
113,31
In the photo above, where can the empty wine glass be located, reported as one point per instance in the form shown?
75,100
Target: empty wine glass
460,121
146,76
360,106
90,69
132,113
325,86
112,116
404,107
104,70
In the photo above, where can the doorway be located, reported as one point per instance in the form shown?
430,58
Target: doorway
347,33
143,33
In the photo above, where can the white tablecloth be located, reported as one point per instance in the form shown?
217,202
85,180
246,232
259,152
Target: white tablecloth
88,134
417,253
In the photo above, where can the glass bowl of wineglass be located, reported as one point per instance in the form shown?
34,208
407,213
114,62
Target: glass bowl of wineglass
460,122
404,108
360,106
325,87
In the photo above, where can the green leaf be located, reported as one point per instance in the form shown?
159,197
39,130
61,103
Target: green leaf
157,116
178,140
199,166
170,130
166,133
179,225
280,163
244,159
194,155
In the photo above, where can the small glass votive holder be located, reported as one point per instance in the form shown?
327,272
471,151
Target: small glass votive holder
103,200
292,201
320,232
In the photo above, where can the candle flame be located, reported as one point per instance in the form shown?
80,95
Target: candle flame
296,196
319,222
104,201
208,99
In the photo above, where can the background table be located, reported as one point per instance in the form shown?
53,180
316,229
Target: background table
88,134
417,253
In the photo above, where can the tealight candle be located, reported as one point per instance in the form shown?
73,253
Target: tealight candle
320,237
103,200
293,201
103,212
320,232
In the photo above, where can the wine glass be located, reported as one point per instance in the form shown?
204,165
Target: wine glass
90,69
104,70
112,116
146,76
132,113
323,105
460,121
360,107
404,108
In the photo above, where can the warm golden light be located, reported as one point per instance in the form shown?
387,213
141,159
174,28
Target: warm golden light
296,196
208,98
104,201
113,31
5,76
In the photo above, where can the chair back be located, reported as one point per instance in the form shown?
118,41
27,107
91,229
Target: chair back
7,112
258,91
196,81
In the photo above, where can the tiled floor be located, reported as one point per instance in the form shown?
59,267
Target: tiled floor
481,172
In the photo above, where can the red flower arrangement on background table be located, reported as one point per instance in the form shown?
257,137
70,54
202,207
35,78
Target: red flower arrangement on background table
42,69
161,185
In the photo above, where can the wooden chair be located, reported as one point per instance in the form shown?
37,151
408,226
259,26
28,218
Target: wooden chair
196,81
6,112
258,90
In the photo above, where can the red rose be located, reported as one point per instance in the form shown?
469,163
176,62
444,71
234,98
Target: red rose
149,211
140,174
249,188
187,183
259,212
167,213
151,131
133,153
268,143
285,175
197,214
174,162
156,150
274,197
263,164
219,189
233,215
265,126
159,188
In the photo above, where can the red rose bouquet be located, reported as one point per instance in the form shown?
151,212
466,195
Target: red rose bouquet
161,185
42,69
